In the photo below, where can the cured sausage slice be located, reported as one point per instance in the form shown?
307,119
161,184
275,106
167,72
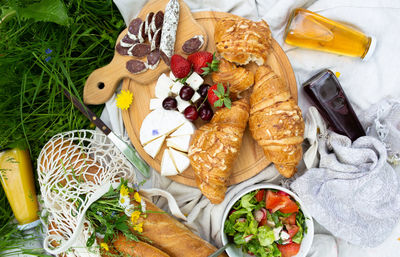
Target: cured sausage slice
193,44
139,50
155,42
157,21
153,59
149,18
121,50
133,28
126,41
136,66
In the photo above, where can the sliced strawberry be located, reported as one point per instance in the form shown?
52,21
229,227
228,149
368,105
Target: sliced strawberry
203,62
180,67
260,195
289,205
289,250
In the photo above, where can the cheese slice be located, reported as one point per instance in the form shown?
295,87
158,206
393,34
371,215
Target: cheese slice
154,146
180,160
196,96
163,86
167,165
155,103
180,143
182,104
158,123
186,129
195,80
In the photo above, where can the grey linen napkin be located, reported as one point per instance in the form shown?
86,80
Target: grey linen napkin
354,193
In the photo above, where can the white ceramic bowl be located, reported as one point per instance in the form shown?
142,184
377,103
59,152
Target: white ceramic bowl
233,251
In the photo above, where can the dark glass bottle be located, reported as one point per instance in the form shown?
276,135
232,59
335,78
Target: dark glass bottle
328,96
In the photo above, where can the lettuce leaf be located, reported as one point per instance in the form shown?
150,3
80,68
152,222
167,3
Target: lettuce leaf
265,235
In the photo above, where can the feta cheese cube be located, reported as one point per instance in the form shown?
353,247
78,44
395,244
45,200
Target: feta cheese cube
163,86
176,87
195,97
284,235
182,104
155,103
172,76
195,80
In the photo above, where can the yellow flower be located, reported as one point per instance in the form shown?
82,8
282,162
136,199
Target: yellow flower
137,197
135,216
104,246
124,201
124,99
124,191
138,227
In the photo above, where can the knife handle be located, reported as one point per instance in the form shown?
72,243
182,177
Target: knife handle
88,113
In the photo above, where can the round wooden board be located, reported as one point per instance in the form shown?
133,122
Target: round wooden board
251,158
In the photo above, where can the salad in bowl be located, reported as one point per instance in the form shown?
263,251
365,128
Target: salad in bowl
267,220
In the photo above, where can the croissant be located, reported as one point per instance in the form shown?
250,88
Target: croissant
238,78
214,148
240,40
276,122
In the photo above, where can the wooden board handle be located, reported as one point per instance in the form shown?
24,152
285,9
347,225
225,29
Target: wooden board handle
101,84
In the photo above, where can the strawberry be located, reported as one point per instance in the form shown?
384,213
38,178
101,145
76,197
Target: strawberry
218,96
203,62
180,67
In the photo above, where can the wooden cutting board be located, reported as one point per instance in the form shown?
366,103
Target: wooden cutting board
101,83
251,159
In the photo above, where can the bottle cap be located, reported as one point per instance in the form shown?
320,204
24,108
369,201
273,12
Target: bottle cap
371,49
29,225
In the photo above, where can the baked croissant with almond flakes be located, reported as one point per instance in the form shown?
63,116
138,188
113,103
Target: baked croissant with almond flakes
238,78
214,148
276,122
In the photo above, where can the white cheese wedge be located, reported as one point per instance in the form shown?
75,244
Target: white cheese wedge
172,76
182,104
163,86
180,160
155,103
180,143
186,129
167,165
158,123
176,88
195,80
195,97
154,146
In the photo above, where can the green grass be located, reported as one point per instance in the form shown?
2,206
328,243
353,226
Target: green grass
32,105
81,36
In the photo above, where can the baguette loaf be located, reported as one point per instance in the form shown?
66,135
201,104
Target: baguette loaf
171,236
138,249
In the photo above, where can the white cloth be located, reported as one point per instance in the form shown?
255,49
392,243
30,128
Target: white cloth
376,79
354,193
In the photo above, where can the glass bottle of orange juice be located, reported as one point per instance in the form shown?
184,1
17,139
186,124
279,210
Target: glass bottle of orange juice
310,30
18,183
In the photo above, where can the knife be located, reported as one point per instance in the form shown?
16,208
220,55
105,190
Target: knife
128,151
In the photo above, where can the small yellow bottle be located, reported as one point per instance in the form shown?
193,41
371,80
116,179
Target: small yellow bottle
18,184
310,30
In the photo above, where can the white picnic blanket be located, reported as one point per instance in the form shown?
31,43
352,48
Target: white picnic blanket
365,83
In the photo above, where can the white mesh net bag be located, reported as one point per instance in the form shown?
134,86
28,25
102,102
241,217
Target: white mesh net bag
75,169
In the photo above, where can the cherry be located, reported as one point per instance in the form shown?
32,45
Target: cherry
191,113
186,93
203,90
169,103
205,112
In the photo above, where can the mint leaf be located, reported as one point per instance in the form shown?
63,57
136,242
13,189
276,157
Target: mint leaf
221,88
218,103
227,103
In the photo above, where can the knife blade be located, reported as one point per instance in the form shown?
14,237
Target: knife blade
127,150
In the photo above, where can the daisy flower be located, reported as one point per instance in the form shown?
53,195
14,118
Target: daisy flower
124,99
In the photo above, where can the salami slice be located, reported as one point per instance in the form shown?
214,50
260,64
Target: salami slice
155,42
136,66
126,41
165,58
193,44
153,59
133,28
157,21
139,50
150,35
121,50
142,33
149,18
